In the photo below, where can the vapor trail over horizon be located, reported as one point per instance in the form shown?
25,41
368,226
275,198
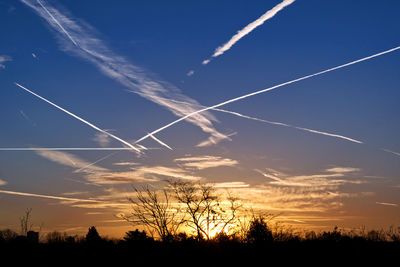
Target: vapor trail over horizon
48,196
290,126
248,29
80,119
268,89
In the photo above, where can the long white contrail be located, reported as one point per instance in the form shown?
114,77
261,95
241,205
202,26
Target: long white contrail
160,142
47,196
249,28
73,148
290,126
268,89
79,118
59,24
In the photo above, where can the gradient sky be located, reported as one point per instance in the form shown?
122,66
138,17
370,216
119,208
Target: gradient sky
311,179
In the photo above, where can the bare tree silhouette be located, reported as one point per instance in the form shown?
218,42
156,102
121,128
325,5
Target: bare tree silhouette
154,210
25,222
203,206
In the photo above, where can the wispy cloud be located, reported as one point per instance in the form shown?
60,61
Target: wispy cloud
80,119
387,204
100,175
195,113
78,37
332,180
2,182
70,160
205,162
248,29
190,73
102,139
3,59
343,169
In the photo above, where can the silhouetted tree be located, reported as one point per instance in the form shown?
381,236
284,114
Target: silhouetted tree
154,210
203,207
92,235
25,222
259,231
136,236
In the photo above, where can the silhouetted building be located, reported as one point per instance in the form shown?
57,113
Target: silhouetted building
32,236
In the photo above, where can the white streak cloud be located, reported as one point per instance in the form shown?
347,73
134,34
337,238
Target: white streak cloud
248,29
2,182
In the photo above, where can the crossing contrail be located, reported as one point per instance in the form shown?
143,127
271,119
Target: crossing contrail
266,90
78,37
249,28
79,118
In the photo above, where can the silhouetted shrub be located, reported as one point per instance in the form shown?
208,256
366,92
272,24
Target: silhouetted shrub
56,237
258,231
7,235
136,236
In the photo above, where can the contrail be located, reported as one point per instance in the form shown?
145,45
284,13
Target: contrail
160,142
290,126
392,152
47,196
77,37
56,21
97,161
267,89
249,28
82,120
72,148
283,124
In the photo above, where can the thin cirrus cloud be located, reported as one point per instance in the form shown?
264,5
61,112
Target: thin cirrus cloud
334,178
3,59
2,182
205,162
103,176
248,29
77,37
387,204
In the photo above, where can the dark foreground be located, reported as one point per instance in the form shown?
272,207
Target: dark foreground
192,252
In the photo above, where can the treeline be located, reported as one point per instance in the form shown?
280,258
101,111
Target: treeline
259,242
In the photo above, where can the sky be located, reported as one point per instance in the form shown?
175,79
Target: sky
164,90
